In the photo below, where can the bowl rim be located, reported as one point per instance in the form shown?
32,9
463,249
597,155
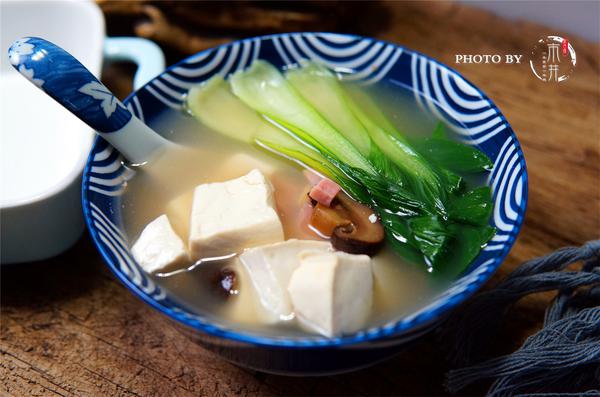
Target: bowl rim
389,332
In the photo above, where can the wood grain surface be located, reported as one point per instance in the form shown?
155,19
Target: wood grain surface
69,328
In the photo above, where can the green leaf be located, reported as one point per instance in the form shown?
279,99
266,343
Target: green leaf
439,132
452,155
391,141
385,166
382,193
404,249
452,181
474,207
430,236
400,237
466,243
320,165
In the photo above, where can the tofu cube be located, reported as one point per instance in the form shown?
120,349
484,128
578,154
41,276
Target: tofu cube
332,292
270,268
159,248
230,216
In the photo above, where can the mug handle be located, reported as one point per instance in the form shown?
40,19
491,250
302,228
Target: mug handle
146,54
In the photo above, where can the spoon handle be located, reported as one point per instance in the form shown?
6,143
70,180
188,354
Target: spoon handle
61,76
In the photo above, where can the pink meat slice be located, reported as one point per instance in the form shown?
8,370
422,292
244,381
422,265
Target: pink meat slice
324,191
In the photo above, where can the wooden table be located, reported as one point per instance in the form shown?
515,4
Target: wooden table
69,328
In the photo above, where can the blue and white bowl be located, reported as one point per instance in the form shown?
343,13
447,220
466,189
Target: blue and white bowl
436,89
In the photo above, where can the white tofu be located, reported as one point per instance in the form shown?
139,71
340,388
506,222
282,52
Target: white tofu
230,216
270,268
159,248
332,292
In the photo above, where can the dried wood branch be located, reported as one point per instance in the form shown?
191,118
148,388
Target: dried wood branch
189,27
160,29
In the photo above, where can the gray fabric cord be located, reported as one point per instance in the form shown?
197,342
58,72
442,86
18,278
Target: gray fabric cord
563,357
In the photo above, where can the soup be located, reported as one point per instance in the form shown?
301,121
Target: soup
222,287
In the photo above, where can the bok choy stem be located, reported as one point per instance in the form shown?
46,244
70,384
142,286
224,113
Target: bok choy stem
391,141
320,87
263,88
213,104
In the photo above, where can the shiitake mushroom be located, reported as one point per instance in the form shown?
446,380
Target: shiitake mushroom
363,235
225,283
325,219
352,226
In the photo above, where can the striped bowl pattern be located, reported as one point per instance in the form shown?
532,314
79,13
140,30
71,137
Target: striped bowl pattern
437,89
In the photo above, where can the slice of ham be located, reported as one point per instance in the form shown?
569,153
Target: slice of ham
324,191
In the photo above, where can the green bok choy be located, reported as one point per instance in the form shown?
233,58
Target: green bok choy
415,187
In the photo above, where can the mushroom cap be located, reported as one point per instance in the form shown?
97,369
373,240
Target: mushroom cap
352,226
363,235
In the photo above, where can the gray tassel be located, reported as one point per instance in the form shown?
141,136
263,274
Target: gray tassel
563,357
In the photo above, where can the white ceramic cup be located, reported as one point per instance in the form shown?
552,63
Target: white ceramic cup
40,206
